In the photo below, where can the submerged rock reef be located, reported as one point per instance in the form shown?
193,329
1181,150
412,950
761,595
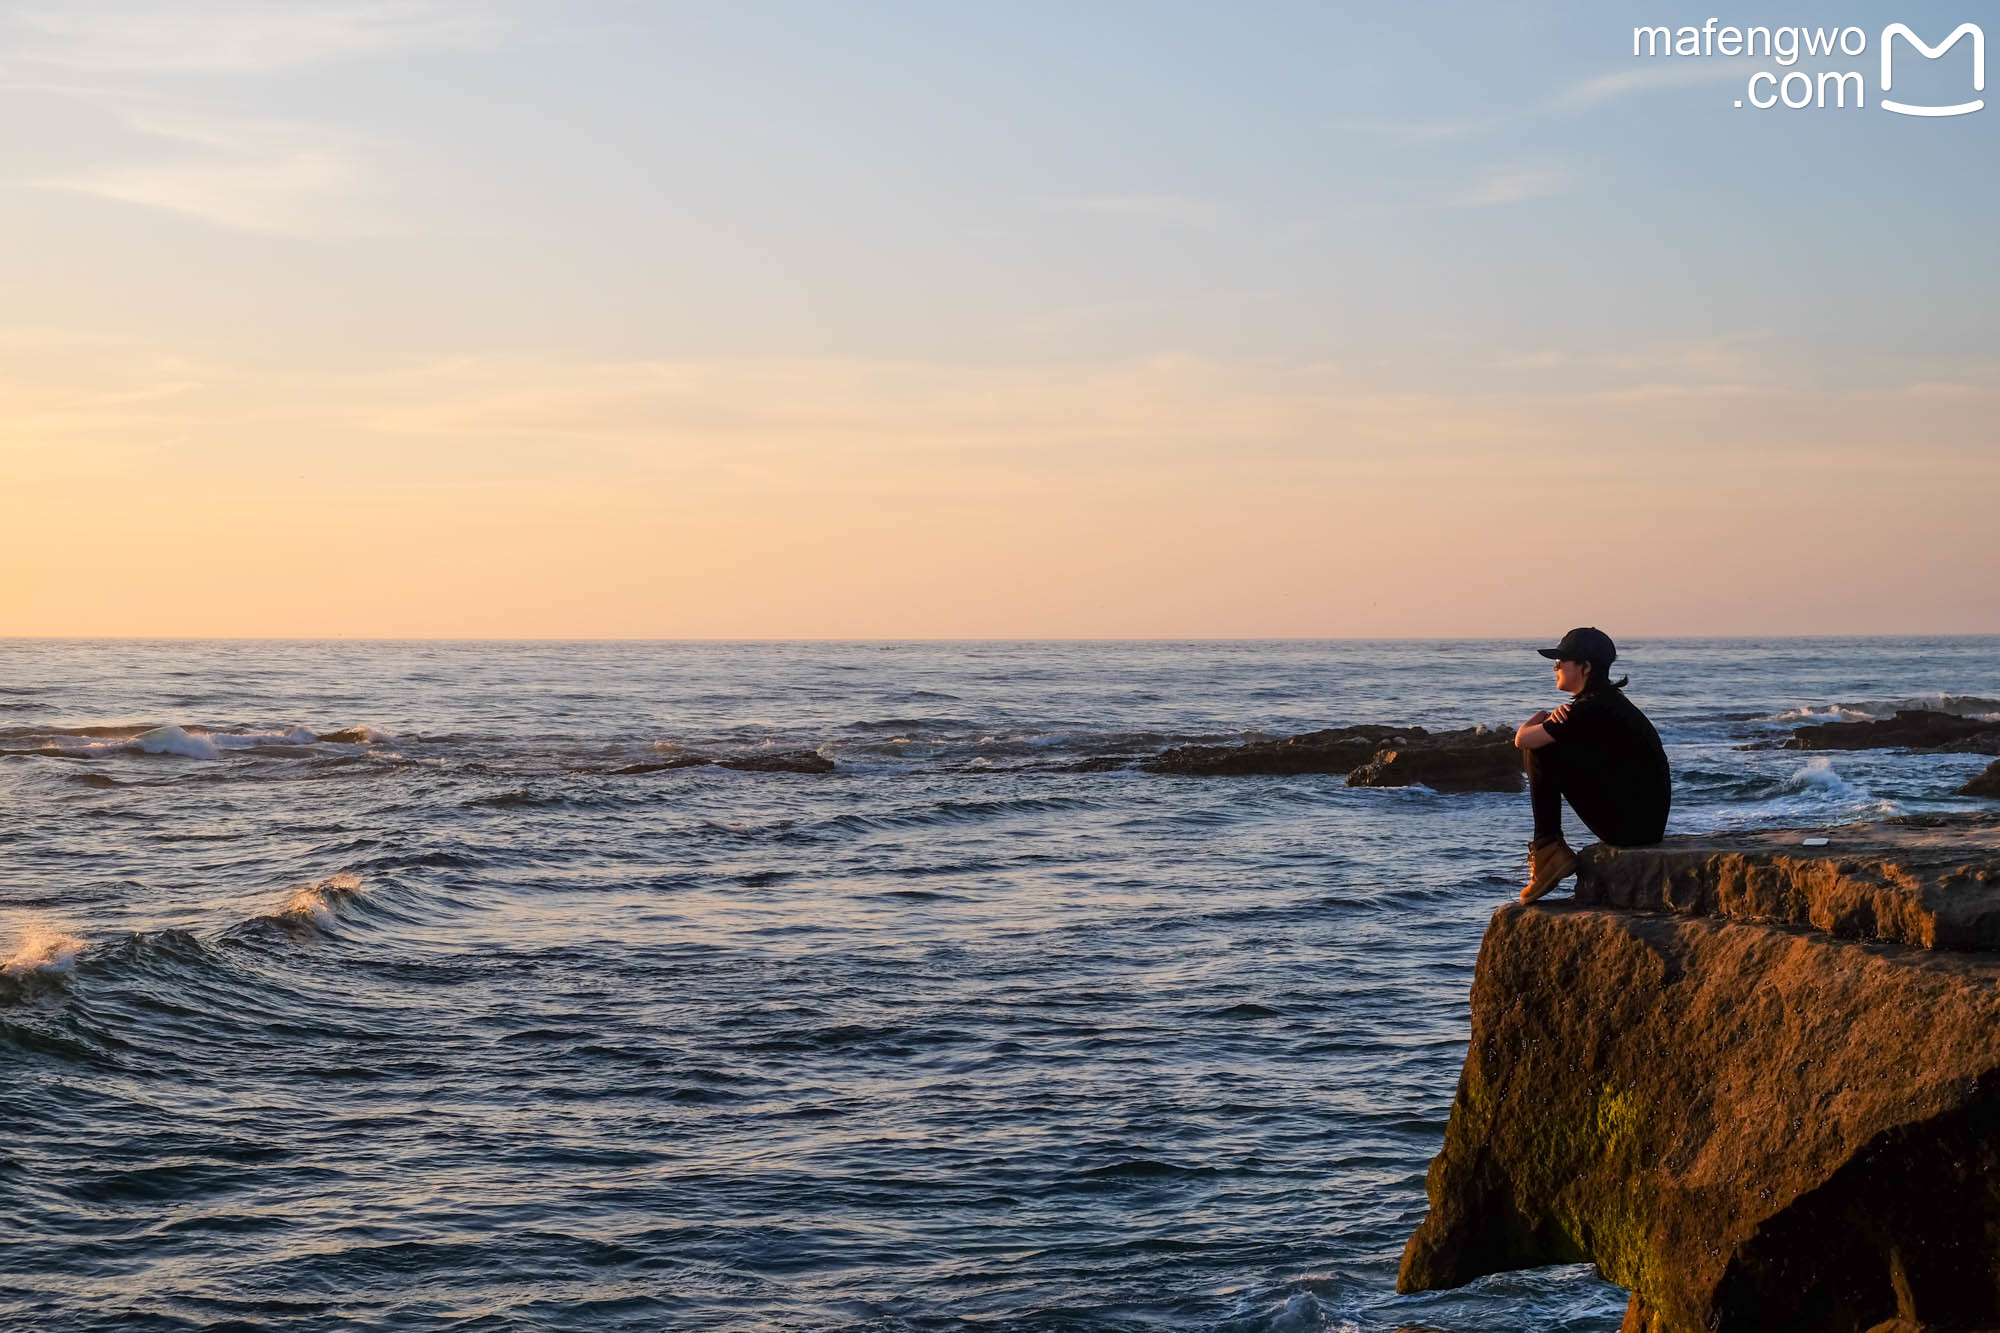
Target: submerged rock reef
1334,750
1755,1082
1928,731
778,761
1469,759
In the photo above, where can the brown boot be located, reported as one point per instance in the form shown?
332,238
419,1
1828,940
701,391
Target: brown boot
1549,864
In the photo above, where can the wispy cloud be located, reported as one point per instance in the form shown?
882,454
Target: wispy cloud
1740,357
242,172
243,38
1174,210
1679,74
1516,183
247,175
1568,101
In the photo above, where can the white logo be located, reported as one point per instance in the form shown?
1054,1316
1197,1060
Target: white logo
1797,89
1895,30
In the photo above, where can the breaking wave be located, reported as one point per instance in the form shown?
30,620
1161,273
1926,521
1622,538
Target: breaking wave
43,951
1815,793
318,903
48,952
1819,775
186,742
1959,705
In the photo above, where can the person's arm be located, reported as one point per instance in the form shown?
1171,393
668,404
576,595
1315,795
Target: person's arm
1530,735
1534,733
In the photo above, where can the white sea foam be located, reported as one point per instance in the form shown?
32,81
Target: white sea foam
237,740
357,735
1040,740
196,742
1819,776
177,740
316,902
189,744
1829,713
1963,705
43,950
1814,793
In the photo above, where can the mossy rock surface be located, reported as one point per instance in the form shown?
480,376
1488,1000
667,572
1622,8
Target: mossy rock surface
1755,1126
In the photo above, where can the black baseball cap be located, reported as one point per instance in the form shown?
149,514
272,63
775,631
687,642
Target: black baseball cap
1583,645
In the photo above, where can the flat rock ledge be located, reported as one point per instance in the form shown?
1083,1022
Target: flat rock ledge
1756,1083
1929,882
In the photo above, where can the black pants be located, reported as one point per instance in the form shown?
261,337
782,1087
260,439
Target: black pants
1614,816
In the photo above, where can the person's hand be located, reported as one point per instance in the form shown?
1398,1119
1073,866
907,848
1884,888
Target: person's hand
1560,715
1541,715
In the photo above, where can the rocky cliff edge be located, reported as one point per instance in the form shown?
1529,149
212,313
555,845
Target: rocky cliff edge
1754,1081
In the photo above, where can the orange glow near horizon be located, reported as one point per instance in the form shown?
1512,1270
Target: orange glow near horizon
156,497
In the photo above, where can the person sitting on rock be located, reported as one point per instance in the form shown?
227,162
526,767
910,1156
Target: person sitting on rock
1599,752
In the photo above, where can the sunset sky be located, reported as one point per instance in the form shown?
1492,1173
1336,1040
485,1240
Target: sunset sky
746,319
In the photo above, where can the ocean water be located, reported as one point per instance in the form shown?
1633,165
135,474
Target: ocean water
351,986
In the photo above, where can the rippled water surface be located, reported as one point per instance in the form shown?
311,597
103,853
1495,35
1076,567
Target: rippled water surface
354,986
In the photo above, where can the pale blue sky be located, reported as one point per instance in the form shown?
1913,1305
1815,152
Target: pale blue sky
996,180
1453,200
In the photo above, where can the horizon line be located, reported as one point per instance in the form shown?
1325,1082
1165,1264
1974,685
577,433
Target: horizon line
965,639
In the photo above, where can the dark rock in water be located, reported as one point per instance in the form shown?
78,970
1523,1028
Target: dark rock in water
1477,759
1335,750
785,761
664,765
1472,759
1104,763
1986,784
1752,1123
1910,729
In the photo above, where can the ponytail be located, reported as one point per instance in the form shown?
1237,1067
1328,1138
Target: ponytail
1598,673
